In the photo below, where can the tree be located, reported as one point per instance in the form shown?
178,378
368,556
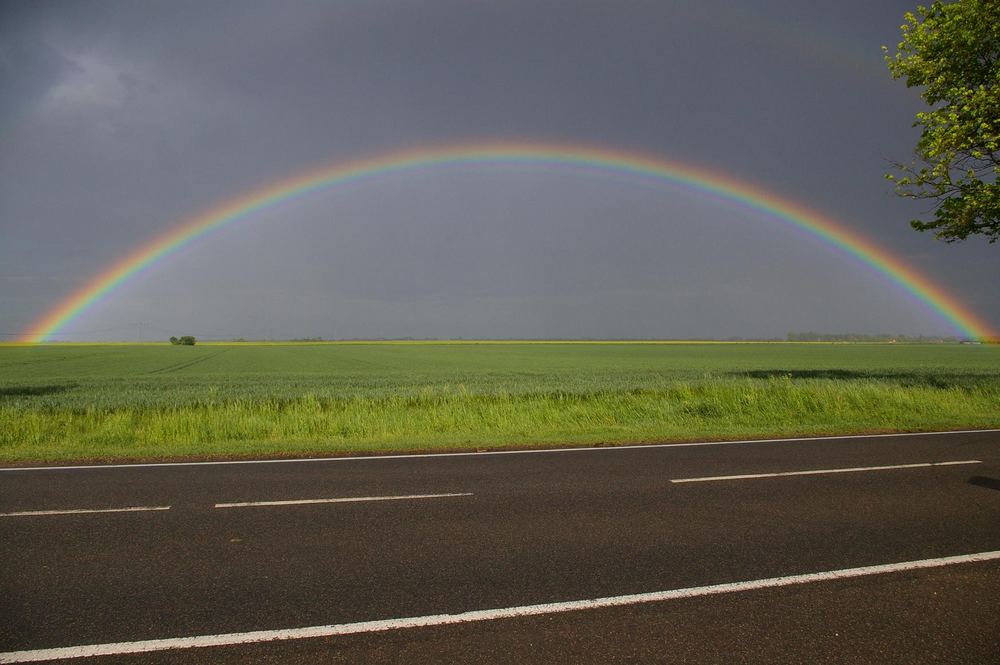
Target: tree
953,51
186,340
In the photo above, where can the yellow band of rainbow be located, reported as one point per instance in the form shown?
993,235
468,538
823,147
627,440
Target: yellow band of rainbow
617,162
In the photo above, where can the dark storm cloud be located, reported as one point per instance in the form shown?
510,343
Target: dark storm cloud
119,119
27,71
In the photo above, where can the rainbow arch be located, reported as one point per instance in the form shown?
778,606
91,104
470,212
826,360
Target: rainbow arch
620,162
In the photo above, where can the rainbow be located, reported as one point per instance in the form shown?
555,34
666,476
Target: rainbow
602,160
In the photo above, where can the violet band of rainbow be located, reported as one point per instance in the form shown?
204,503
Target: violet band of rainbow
617,162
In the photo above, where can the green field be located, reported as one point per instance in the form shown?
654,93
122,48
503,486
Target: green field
62,402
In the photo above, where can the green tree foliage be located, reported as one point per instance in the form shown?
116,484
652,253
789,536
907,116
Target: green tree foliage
953,51
186,340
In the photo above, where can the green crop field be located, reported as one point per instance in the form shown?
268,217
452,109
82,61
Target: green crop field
88,402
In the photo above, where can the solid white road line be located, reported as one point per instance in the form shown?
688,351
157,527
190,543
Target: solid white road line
84,511
816,472
229,639
352,499
540,451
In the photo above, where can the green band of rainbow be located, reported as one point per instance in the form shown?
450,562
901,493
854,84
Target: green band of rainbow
619,162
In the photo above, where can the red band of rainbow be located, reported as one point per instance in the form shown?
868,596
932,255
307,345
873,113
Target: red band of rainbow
619,162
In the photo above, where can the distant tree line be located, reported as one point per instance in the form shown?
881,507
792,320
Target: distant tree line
855,337
186,340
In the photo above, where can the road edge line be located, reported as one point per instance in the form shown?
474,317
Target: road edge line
85,511
533,451
233,639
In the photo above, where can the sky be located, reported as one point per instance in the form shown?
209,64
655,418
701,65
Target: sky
119,120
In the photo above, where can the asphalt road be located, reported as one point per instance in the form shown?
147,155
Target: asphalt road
494,531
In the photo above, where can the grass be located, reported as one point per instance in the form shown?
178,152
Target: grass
142,401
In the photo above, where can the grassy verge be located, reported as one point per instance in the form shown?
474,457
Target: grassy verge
440,418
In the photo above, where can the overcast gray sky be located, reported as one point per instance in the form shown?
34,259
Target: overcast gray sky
120,119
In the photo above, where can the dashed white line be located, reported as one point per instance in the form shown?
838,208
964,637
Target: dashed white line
84,511
230,639
816,472
351,499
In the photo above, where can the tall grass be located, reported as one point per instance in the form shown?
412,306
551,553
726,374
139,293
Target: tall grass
439,417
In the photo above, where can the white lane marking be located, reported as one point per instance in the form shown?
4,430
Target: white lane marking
432,456
351,499
84,511
816,472
229,639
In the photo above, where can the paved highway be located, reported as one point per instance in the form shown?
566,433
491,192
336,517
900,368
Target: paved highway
853,549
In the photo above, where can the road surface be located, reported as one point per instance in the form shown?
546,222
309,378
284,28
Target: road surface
850,549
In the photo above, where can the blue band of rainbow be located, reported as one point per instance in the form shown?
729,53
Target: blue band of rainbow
719,185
